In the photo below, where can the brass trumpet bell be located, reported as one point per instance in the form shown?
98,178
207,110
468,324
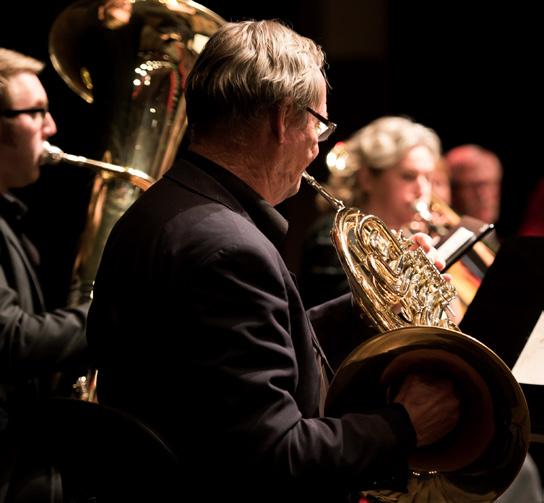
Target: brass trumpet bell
487,448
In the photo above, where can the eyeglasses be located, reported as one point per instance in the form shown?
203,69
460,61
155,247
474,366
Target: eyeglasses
10,113
324,127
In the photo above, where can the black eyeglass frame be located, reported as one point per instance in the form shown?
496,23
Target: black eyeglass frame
10,113
331,126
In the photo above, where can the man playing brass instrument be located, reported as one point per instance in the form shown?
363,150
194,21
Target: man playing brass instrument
34,343
197,326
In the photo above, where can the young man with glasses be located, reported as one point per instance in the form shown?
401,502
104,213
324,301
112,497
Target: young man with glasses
221,357
34,344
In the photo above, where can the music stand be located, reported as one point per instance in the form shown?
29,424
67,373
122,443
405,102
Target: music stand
506,308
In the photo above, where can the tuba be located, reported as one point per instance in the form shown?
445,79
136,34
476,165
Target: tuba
406,299
129,60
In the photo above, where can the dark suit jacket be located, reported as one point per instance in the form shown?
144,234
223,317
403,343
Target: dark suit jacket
198,328
33,343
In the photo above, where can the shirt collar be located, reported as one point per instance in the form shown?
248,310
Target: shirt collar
12,209
269,221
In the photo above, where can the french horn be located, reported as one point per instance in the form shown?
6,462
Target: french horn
406,299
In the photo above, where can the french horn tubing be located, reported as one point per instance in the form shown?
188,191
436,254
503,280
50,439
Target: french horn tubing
445,224
405,297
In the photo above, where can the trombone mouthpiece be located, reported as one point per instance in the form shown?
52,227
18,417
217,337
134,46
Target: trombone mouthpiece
51,154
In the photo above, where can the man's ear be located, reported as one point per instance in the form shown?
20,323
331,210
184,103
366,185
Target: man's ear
279,120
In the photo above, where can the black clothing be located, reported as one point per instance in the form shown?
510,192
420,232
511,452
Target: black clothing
321,274
194,303
33,343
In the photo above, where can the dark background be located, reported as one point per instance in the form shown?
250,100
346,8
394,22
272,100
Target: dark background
468,71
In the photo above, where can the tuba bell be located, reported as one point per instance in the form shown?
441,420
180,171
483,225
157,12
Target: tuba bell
406,299
128,59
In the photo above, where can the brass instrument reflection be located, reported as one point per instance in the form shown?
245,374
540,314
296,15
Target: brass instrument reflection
400,291
457,237
129,60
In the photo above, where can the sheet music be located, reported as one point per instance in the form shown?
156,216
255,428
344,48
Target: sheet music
529,368
454,242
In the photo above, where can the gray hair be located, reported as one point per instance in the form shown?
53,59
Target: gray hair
11,63
246,68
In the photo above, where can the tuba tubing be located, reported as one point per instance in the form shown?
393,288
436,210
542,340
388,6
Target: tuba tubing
138,100
406,299
54,155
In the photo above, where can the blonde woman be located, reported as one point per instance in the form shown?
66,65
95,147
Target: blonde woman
386,169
